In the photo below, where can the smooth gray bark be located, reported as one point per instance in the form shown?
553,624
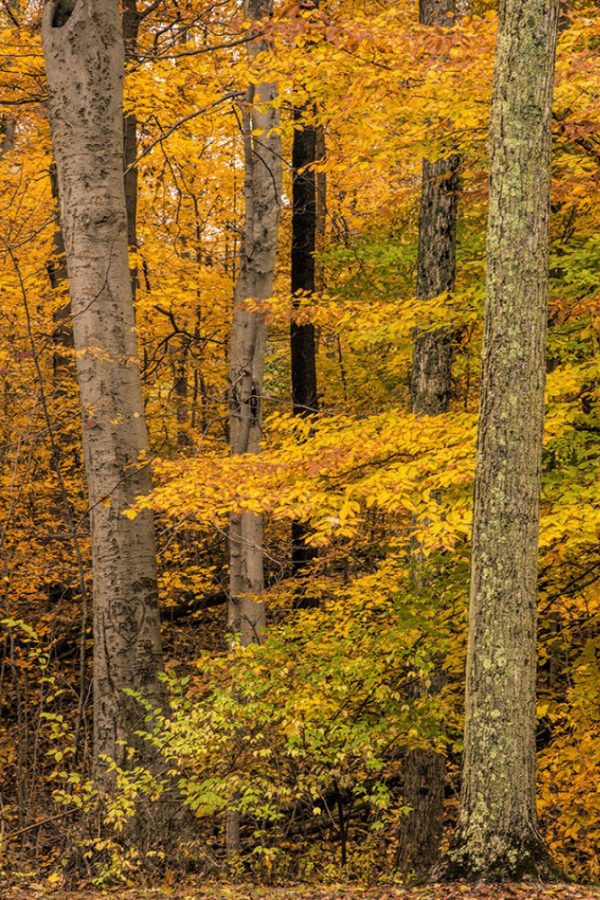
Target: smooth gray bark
262,198
83,49
262,189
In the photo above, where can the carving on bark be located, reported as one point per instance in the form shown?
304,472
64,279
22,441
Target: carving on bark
83,49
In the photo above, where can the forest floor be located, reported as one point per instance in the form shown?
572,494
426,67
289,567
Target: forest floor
208,891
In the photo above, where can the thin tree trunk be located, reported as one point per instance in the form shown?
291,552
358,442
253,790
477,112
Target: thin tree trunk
8,127
62,334
431,381
248,339
431,376
321,211
262,189
131,25
497,836
302,334
83,49
432,352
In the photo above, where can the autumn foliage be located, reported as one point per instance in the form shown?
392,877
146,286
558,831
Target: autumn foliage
305,734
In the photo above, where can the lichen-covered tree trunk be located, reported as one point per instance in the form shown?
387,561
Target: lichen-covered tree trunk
424,771
262,190
497,836
83,49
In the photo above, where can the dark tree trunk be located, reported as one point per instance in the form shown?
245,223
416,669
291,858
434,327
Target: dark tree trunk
131,25
304,228
302,334
425,770
432,354
62,333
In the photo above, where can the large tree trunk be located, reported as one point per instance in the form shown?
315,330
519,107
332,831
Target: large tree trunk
302,334
83,49
497,835
424,772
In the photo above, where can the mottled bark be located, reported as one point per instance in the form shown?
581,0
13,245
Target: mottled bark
497,836
262,196
432,354
262,189
438,12
83,49
421,829
424,771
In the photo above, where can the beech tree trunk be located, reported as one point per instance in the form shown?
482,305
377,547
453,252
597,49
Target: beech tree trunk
424,773
83,49
262,189
302,335
498,837
262,198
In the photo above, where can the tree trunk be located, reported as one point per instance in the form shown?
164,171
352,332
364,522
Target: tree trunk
432,352
431,380
302,334
262,147
262,190
424,773
62,333
497,836
83,49
131,25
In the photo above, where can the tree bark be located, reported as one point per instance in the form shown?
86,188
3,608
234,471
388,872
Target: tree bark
83,49
131,25
497,836
432,351
62,333
304,229
302,334
262,188
431,378
262,192
424,773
